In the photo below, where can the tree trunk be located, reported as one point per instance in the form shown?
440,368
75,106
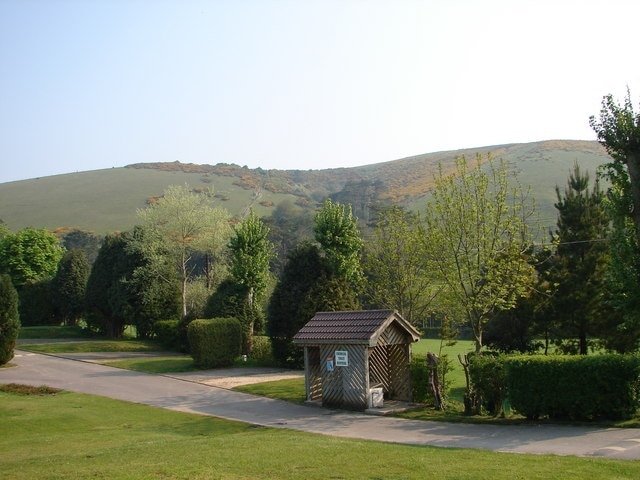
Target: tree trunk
184,286
434,381
583,344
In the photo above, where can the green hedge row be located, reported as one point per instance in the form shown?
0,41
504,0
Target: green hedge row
559,387
216,342
488,377
574,387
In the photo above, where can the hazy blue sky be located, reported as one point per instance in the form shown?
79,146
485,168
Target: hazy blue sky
300,84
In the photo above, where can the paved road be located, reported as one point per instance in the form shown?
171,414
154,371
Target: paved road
185,395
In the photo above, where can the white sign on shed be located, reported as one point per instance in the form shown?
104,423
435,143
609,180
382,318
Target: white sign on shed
342,358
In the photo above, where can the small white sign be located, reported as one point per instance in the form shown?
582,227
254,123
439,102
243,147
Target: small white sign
342,358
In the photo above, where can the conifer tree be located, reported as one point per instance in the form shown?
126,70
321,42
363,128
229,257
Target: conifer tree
581,258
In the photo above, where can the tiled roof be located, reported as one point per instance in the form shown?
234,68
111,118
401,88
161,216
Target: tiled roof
348,326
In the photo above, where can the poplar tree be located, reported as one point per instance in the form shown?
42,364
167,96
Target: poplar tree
251,253
336,230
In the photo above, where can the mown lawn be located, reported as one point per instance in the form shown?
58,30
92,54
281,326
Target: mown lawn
69,435
294,389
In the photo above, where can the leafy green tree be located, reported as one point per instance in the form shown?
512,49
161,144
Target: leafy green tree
4,230
9,318
88,242
152,286
476,234
36,304
336,230
397,270
618,130
179,225
581,258
251,252
290,306
69,286
122,291
288,226
618,327
29,255
106,292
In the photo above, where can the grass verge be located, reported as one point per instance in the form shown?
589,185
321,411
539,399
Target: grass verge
52,332
294,389
163,364
93,346
69,435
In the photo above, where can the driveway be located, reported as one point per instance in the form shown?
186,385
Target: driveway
188,393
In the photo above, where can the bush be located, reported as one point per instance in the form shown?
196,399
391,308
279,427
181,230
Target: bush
262,353
9,318
166,332
420,391
36,305
574,387
487,376
216,342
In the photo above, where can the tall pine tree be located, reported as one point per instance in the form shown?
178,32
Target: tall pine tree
580,260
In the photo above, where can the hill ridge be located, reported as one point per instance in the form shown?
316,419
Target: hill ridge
106,200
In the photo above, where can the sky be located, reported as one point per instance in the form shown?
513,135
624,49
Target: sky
300,84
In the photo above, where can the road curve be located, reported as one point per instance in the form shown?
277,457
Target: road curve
189,396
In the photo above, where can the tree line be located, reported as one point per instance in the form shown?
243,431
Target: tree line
472,258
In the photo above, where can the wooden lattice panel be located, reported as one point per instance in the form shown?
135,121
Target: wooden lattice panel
314,373
393,336
345,387
379,367
400,388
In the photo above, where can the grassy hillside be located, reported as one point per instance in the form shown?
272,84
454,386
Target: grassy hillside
106,200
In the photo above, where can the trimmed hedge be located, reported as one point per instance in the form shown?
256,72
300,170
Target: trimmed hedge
574,387
216,342
488,378
420,391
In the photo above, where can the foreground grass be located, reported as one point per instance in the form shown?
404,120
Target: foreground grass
69,435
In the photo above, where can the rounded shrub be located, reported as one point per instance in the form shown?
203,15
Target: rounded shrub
9,318
215,342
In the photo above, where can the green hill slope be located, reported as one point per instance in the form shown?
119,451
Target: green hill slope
103,201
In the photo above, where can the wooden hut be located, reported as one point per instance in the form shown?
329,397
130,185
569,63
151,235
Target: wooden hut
352,358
